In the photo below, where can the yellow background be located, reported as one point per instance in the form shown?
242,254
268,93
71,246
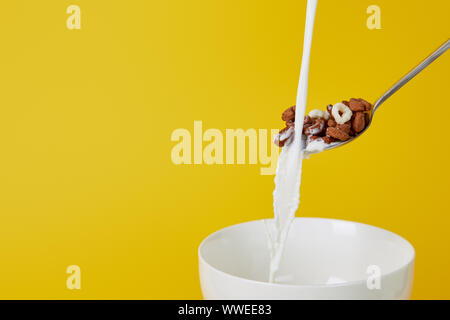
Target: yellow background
86,116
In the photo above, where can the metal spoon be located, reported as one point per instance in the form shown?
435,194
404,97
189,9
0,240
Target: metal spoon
425,63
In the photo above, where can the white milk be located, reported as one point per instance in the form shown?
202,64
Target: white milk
286,196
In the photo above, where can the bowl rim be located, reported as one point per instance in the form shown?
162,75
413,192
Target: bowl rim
333,285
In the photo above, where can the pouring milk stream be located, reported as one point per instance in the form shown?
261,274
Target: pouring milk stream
286,196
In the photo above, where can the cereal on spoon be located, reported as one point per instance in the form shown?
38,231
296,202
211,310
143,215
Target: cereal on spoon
339,122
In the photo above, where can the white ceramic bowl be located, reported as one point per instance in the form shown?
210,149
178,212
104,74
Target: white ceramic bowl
323,259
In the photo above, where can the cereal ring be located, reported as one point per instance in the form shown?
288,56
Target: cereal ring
337,134
284,137
341,113
316,113
356,105
359,122
290,123
316,129
346,127
288,114
331,123
367,105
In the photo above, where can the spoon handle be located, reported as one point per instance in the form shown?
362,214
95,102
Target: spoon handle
425,63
